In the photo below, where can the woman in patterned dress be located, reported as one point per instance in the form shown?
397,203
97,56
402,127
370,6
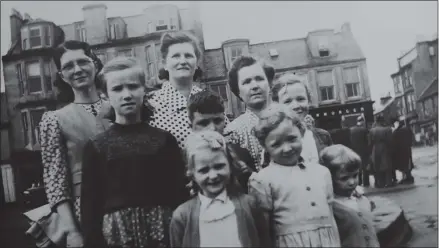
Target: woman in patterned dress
181,54
65,131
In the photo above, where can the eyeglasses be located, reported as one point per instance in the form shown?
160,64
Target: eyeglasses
70,66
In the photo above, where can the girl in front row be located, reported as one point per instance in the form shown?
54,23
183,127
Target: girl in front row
295,196
219,215
133,174
352,210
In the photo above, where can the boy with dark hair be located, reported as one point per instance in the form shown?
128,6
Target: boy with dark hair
206,112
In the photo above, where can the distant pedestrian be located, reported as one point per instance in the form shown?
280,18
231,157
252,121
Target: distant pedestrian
360,144
380,139
402,140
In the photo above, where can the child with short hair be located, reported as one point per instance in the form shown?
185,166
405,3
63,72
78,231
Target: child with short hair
352,210
219,215
206,112
295,195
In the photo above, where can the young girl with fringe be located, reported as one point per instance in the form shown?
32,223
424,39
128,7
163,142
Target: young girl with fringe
295,196
219,215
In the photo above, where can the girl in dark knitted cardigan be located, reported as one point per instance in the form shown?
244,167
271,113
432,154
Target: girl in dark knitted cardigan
133,174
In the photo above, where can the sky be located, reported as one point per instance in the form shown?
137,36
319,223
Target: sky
383,29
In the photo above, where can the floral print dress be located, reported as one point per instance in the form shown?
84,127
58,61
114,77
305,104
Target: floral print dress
56,174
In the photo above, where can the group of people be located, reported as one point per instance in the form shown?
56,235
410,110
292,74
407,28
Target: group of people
383,150
170,170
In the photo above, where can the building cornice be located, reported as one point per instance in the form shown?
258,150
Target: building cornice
39,52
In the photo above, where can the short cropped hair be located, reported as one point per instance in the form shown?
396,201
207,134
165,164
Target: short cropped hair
284,81
205,102
340,158
271,117
244,61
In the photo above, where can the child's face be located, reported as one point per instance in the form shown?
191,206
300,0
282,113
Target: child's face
211,172
345,182
284,143
125,92
213,122
295,97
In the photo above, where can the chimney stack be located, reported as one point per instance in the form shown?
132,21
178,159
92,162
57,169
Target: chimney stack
96,23
16,21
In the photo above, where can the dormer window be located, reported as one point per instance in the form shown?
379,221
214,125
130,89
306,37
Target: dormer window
323,48
81,33
161,25
113,31
235,52
35,37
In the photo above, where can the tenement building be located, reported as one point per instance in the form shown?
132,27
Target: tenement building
415,86
331,62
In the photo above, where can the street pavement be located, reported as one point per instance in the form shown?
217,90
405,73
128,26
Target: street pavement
420,200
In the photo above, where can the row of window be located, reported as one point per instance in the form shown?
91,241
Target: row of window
161,25
411,102
30,120
34,77
325,81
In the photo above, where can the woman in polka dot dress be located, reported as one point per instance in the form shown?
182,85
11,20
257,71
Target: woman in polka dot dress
64,131
181,54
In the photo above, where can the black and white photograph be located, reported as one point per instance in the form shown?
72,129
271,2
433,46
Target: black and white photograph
219,124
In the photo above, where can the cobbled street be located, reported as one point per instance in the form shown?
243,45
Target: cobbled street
420,204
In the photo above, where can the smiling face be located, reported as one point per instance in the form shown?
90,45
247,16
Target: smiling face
284,143
296,98
211,172
77,69
125,92
345,182
253,85
181,61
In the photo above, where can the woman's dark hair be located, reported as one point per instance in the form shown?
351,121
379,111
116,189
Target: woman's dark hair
65,91
172,38
244,61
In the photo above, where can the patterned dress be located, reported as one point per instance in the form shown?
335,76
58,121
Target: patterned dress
56,174
171,113
239,131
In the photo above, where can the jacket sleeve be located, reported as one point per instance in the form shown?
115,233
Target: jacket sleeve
262,225
92,212
176,228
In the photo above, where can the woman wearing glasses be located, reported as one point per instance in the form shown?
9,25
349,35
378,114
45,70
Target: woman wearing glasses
65,131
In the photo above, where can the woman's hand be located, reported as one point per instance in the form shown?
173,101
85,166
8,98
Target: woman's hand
74,239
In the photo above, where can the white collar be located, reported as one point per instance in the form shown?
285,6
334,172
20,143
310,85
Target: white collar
206,201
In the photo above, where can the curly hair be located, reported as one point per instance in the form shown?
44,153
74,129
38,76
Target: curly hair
245,61
270,119
65,91
285,80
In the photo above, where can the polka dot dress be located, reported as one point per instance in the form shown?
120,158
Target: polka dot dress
170,111
56,174
239,131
